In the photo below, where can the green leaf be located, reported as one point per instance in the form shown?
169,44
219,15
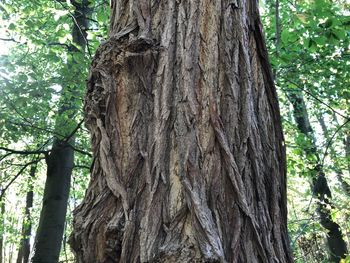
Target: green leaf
339,34
23,78
12,26
328,23
285,36
320,40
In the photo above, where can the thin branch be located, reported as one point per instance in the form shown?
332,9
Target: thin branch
29,122
31,125
77,25
81,167
23,152
11,40
58,44
12,151
74,131
330,141
5,156
37,151
17,175
80,151
306,224
317,99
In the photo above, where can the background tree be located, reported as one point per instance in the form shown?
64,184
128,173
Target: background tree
60,161
309,56
24,249
42,67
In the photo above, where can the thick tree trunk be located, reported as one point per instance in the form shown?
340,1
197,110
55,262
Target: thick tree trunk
60,163
320,188
24,249
187,139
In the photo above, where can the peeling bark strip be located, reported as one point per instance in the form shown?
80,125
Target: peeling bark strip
187,139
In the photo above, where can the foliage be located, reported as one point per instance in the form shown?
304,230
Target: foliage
43,72
309,51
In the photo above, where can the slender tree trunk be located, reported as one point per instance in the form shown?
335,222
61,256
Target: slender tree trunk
347,149
2,213
60,163
187,139
53,213
14,224
24,249
320,188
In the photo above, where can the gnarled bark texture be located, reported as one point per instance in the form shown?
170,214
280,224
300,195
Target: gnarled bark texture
187,140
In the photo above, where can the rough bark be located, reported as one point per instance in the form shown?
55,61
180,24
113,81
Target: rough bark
60,162
24,249
187,140
320,189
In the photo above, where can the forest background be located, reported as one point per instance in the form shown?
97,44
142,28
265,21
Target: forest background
45,51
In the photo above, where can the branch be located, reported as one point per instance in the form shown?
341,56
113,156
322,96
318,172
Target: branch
319,100
58,44
10,40
77,25
31,125
28,121
16,176
12,151
81,167
74,131
80,151
330,141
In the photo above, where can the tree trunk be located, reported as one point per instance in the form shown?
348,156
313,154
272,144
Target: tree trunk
60,163
2,221
24,249
53,213
347,149
320,188
187,139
